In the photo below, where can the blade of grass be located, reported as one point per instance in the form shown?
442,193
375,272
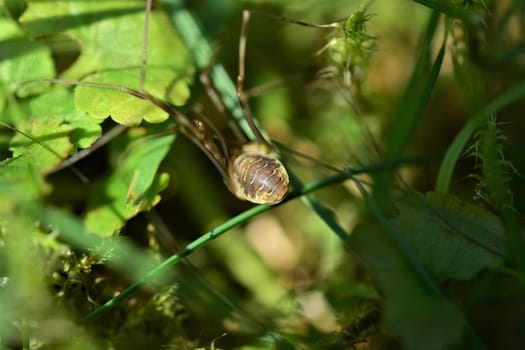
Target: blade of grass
189,28
516,243
231,223
411,107
456,147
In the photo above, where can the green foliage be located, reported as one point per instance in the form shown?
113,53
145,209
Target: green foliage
133,187
350,53
21,60
418,316
110,252
494,170
451,238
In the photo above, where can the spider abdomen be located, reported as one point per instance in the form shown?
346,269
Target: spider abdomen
258,177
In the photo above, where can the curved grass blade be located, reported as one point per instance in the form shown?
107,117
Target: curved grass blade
458,145
411,107
189,30
231,223
516,244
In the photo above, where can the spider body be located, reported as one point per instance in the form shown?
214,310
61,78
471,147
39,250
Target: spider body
257,175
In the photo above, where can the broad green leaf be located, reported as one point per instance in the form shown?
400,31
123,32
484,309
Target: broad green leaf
51,123
422,319
132,187
110,36
17,173
452,238
20,60
51,130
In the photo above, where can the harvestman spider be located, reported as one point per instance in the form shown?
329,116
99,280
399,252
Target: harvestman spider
255,174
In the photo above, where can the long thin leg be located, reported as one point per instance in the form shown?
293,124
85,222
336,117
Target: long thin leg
210,90
214,97
217,135
240,79
196,130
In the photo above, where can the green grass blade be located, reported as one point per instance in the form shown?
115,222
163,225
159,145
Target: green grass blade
411,107
456,148
189,29
176,258
231,223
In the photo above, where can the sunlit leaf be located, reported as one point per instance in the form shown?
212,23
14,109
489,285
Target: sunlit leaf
50,135
21,60
133,187
32,160
59,104
111,45
97,26
128,109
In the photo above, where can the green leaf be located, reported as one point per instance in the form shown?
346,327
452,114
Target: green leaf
21,60
463,12
32,160
59,103
125,108
49,135
133,187
110,36
52,125
452,238
17,173
421,318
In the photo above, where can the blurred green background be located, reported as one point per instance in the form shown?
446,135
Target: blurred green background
283,279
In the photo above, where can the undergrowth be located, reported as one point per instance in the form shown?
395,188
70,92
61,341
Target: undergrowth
402,228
